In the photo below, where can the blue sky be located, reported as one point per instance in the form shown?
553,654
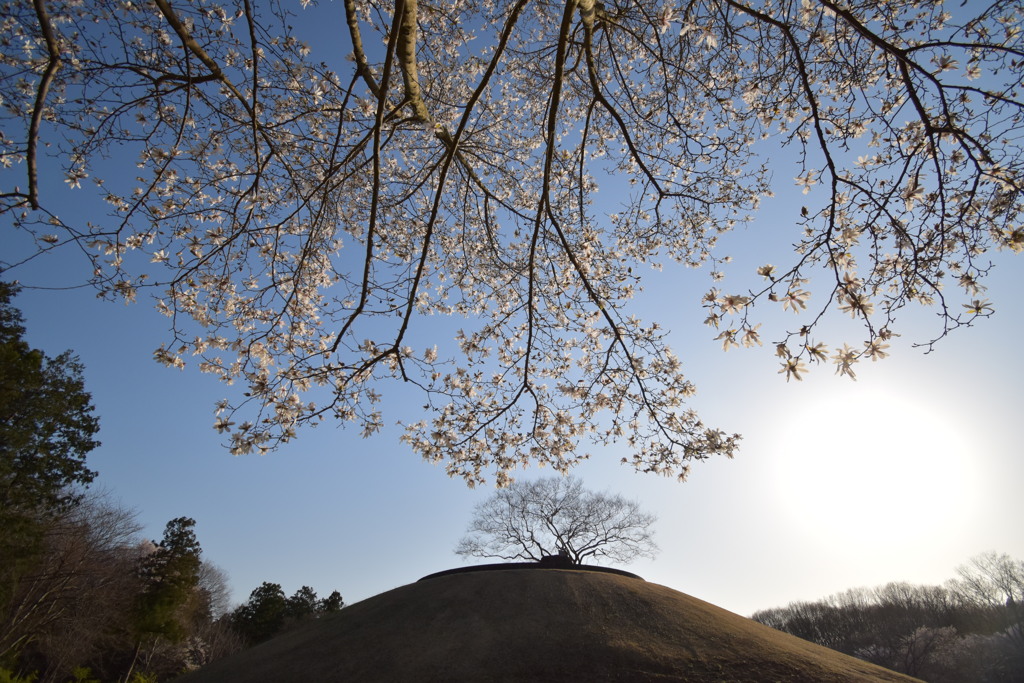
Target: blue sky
901,475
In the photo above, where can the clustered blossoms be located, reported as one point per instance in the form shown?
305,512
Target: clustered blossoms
310,216
938,187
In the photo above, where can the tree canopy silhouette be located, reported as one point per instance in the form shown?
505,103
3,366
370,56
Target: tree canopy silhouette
298,220
47,423
557,516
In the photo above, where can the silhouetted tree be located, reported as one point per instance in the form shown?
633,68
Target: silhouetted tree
170,601
332,603
302,604
268,612
47,427
263,614
171,575
47,423
529,520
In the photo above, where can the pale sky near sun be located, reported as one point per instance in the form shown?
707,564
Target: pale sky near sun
899,476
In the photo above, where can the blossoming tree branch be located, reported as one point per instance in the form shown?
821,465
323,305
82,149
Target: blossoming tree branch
298,206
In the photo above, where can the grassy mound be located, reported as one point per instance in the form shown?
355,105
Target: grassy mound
537,625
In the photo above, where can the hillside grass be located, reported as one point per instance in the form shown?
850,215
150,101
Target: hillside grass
538,625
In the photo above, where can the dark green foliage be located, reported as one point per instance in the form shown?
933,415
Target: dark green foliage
263,614
268,612
46,420
332,603
82,674
303,603
171,575
8,676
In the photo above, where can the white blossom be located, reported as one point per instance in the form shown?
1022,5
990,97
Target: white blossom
311,231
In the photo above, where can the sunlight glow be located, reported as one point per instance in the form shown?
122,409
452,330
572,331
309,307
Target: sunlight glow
876,467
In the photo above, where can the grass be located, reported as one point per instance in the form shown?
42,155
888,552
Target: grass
538,625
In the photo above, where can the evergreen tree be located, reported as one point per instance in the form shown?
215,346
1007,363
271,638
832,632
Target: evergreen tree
332,603
46,420
267,612
303,603
171,575
263,614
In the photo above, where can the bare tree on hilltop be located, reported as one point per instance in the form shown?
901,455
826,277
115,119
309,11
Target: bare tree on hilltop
557,516
299,220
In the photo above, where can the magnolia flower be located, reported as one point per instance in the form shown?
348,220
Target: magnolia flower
807,180
970,284
818,351
751,337
876,349
165,357
74,178
855,305
795,299
844,360
793,367
665,16
728,338
979,307
912,193
733,303
291,229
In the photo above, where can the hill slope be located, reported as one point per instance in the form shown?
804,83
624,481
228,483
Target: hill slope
537,625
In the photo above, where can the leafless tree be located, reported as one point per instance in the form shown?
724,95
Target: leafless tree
991,579
966,630
78,591
215,589
556,515
996,580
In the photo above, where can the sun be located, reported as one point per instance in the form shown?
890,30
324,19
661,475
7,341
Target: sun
883,463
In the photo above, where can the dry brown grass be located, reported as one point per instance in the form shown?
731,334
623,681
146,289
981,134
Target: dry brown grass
537,625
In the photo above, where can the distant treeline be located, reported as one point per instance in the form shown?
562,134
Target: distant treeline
970,630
